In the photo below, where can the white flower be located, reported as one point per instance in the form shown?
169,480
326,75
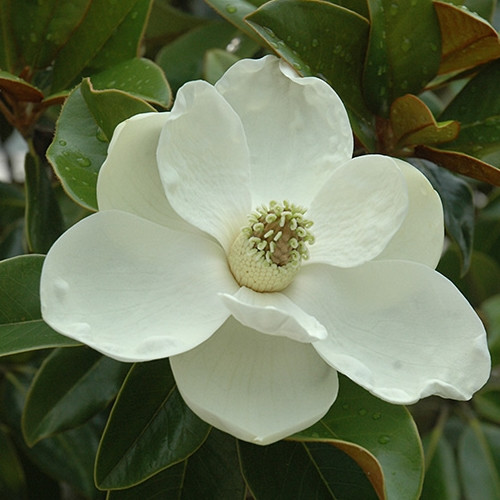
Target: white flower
184,259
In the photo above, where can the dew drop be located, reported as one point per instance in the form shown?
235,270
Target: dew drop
376,416
315,42
231,9
406,45
384,439
62,142
83,162
362,412
345,406
393,10
100,136
33,37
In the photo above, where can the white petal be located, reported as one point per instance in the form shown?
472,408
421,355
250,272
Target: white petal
259,388
420,237
358,211
132,289
397,328
297,128
129,178
274,314
204,162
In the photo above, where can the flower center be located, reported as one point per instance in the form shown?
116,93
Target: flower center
268,252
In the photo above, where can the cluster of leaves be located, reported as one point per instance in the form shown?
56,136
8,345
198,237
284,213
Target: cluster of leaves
419,80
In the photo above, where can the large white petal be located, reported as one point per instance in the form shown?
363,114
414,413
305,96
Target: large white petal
129,179
259,388
420,237
204,162
397,328
297,128
275,314
358,211
132,289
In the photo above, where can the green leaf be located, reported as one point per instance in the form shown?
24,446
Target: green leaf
212,472
322,39
182,60
11,204
140,78
479,459
458,206
149,429
487,403
44,221
491,314
80,144
386,431
112,28
55,404
21,325
12,480
477,108
302,470
67,457
403,52
441,477
216,63
12,241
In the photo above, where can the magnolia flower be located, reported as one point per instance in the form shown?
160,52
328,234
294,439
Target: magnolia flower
237,236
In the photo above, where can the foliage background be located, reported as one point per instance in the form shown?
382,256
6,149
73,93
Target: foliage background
420,81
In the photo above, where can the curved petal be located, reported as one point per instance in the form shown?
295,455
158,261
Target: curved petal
420,238
132,289
297,128
397,328
204,162
274,314
358,211
259,388
129,178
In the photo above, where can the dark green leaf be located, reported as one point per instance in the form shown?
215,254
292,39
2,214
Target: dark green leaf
56,403
458,206
479,459
385,430
403,52
487,403
44,221
491,314
114,25
19,89
216,63
322,39
149,429
302,470
441,477
477,108
11,204
138,77
21,326
12,240
12,480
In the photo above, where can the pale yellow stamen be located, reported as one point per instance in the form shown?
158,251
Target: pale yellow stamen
268,252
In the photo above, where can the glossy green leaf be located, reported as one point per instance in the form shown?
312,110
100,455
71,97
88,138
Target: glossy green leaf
458,205
359,6
302,470
140,78
103,24
11,204
12,480
21,326
403,52
67,457
80,144
441,477
56,403
322,39
479,459
213,472
149,429
110,107
216,63
491,314
477,108
386,431
182,60
12,240
19,89
44,221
